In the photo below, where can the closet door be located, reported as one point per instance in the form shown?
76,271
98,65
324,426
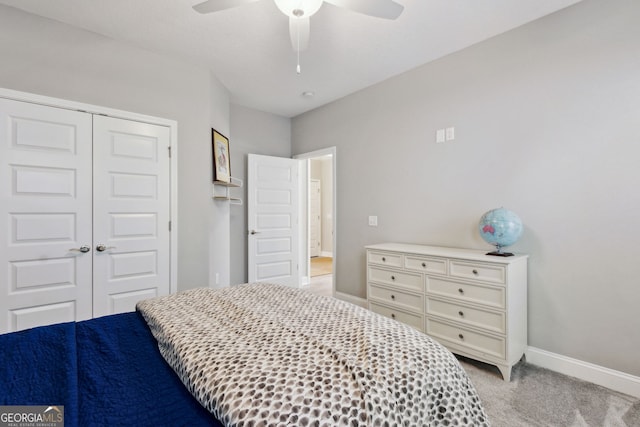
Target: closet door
131,206
45,215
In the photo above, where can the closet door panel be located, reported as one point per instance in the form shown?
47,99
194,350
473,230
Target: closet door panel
45,215
131,213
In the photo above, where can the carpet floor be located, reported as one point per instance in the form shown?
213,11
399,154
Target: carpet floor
543,398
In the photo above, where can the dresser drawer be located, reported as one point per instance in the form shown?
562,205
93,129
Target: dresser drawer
425,265
397,298
413,320
474,293
484,272
485,319
465,338
384,258
397,278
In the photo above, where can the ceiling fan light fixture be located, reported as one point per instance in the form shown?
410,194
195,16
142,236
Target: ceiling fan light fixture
299,8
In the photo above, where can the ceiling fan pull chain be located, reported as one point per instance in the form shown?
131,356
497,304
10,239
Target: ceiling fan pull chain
298,49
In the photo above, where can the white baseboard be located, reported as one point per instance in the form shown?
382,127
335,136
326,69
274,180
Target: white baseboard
614,380
353,300
326,254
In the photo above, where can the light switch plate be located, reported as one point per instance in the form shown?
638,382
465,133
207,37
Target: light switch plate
373,221
440,135
450,133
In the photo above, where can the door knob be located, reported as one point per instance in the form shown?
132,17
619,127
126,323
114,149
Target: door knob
254,232
102,248
83,249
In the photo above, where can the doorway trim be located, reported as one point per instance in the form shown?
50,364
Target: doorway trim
312,155
120,114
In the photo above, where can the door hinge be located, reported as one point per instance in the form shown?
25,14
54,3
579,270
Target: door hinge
169,151
169,225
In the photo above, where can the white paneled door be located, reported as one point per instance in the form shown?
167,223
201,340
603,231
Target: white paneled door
45,220
130,213
79,237
273,220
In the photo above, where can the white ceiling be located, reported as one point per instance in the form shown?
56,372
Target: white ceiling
249,50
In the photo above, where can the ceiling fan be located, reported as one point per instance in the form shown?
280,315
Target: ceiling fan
299,12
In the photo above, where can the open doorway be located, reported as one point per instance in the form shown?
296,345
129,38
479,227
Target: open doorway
320,214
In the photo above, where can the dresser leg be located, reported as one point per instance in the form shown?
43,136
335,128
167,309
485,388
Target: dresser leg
505,370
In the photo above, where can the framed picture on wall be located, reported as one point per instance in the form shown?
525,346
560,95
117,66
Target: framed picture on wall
221,161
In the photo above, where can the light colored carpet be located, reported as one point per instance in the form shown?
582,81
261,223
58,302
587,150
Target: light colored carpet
543,398
321,285
321,266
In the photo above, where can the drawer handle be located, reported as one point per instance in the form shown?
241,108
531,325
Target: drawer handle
475,272
461,313
461,291
384,259
393,277
424,264
393,296
461,336
393,316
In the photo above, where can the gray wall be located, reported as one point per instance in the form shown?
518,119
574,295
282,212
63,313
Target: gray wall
252,132
48,58
547,121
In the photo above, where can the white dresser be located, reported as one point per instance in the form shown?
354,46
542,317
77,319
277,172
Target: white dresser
472,303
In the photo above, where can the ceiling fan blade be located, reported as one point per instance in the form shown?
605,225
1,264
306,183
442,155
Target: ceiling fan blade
217,5
299,29
386,9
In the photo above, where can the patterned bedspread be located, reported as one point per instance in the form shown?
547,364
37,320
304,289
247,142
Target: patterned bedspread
262,354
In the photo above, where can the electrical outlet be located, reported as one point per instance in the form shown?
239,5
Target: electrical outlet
373,221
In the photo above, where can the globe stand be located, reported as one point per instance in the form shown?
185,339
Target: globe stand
495,253
498,252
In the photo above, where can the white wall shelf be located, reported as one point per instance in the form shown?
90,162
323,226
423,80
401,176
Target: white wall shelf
224,194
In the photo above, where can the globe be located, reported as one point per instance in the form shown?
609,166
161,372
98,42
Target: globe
500,227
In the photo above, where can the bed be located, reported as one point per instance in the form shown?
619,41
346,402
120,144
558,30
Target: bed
249,355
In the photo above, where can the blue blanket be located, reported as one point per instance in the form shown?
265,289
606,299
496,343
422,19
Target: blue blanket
105,371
